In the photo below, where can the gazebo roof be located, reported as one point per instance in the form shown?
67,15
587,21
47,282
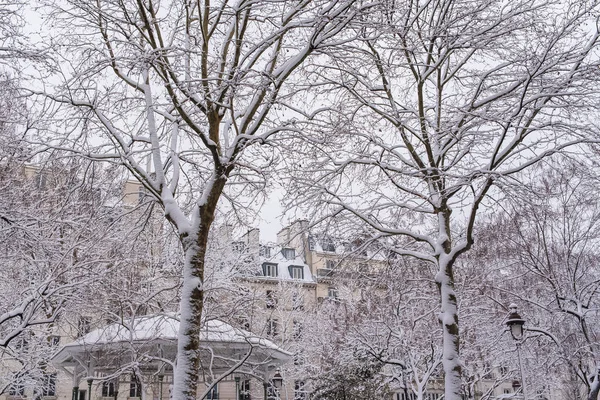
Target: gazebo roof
158,333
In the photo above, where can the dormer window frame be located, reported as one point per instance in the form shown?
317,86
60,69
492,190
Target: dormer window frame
265,251
296,268
289,253
270,270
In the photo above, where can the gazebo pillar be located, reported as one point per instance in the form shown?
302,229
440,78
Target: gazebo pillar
75,393
89,382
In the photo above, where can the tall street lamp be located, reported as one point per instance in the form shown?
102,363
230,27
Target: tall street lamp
278,383
272,389
515,326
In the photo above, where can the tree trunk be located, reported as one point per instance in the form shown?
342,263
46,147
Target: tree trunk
185,380
191,306
449,320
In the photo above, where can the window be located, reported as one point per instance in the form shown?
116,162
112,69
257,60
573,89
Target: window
288,254
141,193
332,292
272,328
244,390
311,242
49,385
506,391
406,396
297,301
297,334
271,301
296,272
299,391
83,325
82,394
135,387
327,244
330,264
265,251
213,394
270,270
433,396
108,388
40,180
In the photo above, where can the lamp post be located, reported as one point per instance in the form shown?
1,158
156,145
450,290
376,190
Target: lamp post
278,383
515,326
237,388
272,388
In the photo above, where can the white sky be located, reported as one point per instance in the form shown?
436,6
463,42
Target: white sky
271,217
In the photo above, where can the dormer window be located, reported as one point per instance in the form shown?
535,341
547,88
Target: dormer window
296,271
265,251
288,253
329,264
270,269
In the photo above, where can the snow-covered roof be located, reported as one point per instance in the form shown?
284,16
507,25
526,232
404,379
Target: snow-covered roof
329,245
164,328
283,265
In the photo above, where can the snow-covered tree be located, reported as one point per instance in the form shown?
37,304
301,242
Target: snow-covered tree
436,102
177,92
58,242
549,238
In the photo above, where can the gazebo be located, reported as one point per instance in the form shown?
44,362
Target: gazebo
146,347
